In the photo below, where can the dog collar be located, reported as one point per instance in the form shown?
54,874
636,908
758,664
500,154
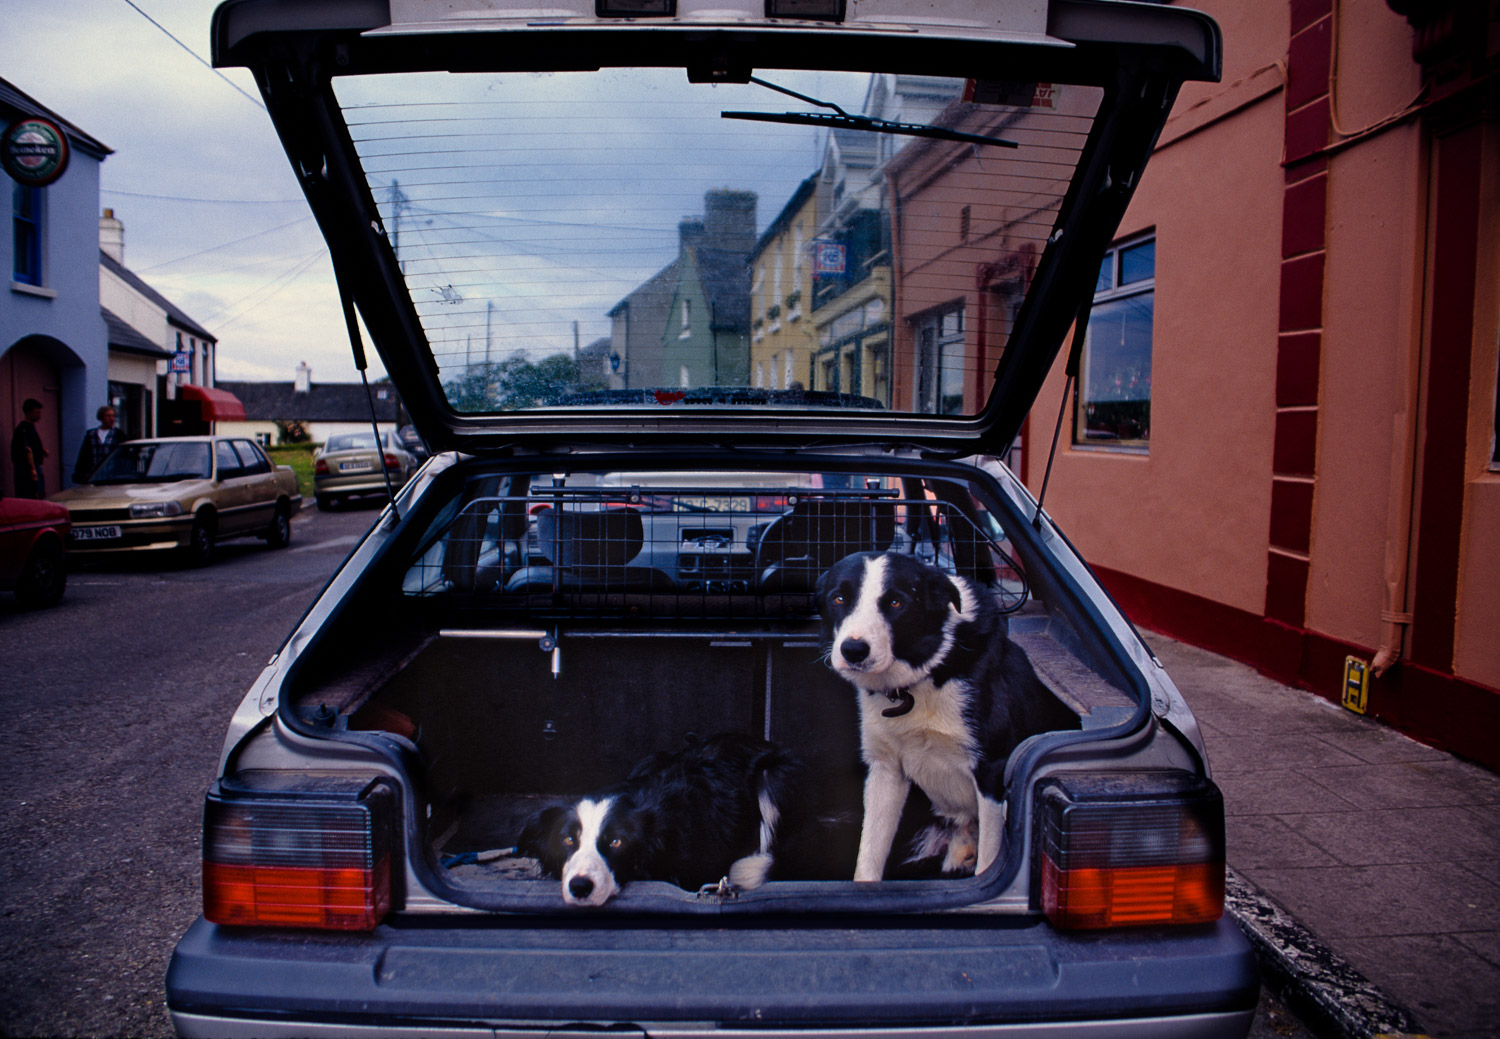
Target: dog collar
903,701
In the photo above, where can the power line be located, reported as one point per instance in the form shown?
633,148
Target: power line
255,100
214,201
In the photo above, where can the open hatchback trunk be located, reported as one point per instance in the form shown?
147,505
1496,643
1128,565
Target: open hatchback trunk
704,307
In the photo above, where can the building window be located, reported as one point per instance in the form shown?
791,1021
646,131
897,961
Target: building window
788,375
760,374
26,220
940,361
682,375
880,379
1113,403
687,319
1495,444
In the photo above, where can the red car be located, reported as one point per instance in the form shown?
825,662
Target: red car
33,536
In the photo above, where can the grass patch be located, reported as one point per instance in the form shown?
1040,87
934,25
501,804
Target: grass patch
300,458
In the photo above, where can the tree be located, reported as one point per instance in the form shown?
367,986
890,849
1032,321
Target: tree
513,384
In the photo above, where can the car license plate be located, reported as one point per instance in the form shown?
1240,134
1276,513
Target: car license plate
353,467
95,533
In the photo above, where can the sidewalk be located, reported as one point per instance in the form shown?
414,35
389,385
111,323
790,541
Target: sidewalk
1387,851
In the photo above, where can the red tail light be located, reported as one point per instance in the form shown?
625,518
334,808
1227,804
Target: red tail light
299,859
392,462
321,469
1124,849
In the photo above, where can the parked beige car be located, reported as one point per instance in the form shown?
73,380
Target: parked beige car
352,464
182,493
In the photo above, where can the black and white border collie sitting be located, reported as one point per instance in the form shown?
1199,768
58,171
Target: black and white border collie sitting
702,815
945,696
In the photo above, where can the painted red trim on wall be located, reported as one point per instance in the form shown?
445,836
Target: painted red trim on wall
1307,130
1305,12
1301,293
1455,254
1304,211
1295,451
1309,59
1286,588
1440,709
1291,515
1298,357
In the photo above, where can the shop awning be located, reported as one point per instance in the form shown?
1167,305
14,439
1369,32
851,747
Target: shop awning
218,405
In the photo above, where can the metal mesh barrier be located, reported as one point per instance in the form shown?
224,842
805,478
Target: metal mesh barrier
660,552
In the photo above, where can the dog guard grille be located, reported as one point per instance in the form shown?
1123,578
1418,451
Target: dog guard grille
688,553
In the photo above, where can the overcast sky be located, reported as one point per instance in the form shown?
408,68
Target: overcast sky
213,217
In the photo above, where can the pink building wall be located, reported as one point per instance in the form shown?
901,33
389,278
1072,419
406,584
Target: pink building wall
1324,366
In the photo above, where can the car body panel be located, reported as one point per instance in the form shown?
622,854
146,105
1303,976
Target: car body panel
242,500
503,637
29,529
902,974
360,470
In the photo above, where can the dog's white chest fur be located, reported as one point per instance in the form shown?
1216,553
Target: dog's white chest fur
930,745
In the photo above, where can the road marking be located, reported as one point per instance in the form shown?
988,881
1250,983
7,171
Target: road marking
340,542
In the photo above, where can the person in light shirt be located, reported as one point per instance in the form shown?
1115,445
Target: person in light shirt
97,444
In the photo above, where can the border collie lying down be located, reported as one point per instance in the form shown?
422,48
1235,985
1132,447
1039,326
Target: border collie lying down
698,816
946,696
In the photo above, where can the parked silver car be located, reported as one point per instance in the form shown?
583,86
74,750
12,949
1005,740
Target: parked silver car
654,434
352,465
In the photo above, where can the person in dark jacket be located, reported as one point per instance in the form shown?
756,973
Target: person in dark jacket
97,443
27,452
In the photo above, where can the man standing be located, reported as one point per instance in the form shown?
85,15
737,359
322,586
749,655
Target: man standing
27,452
97,443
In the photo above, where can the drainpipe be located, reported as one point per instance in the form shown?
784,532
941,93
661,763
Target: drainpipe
1394,617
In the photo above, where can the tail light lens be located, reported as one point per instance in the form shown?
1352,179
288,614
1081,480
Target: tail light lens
1125,849
321,468
317,858
392,462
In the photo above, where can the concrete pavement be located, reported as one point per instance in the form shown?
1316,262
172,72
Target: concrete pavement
1364,865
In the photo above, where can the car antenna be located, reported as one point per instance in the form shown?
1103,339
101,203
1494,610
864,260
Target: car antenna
356,343
842,120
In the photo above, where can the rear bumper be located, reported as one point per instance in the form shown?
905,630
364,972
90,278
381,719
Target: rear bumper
372,482
135,535
897,979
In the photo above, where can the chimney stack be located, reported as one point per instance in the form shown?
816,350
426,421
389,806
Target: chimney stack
689,232
729,220
302,382
112,237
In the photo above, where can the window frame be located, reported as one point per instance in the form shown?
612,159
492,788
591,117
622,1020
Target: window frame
927,382
1116,292
34,226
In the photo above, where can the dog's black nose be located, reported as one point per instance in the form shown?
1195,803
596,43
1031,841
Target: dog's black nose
580,887
854,650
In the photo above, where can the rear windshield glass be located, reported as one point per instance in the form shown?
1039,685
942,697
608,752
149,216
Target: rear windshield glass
351,442
628,238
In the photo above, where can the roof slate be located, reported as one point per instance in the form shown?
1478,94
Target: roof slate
323,402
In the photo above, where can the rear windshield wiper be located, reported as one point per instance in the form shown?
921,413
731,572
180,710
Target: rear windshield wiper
842,120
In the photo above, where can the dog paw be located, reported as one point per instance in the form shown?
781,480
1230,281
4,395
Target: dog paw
963,849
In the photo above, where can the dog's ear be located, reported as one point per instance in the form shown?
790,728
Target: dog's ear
825,581
942,593
538,838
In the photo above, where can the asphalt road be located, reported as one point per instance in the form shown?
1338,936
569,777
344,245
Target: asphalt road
115,706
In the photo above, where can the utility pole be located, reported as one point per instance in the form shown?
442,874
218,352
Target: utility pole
398,207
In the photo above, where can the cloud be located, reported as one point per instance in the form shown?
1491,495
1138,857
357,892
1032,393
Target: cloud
213,216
